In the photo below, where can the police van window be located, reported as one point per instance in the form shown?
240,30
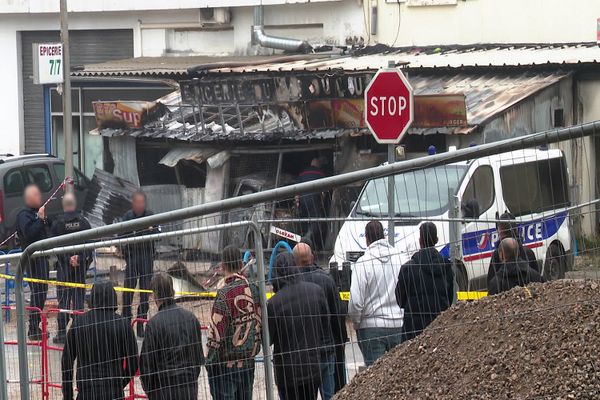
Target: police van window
13,183
479,193
38,175
535,186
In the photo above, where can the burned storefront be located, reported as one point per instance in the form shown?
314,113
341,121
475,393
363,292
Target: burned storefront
233,129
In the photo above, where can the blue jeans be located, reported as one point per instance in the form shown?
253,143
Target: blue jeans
230,383
375,342
327,388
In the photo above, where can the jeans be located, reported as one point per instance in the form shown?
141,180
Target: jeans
38,269
327,388
230,383
137,269
340,367
375,342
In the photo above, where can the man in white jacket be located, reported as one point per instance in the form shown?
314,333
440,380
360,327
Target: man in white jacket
373,308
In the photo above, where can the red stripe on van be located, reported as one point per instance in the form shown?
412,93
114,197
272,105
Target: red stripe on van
488,254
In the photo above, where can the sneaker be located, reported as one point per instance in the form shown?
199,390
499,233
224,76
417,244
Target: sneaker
34,333
60,338
140,330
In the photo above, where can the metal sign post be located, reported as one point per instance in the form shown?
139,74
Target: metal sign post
391,196
67,119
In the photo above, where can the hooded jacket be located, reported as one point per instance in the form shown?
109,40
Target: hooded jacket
372,302
105,348
171,356
425,288
513,274
297,317
320,277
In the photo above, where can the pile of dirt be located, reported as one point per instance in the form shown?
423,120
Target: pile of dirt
540,342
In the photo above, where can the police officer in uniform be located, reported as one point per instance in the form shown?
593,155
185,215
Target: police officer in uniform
32,226
71,267
140,261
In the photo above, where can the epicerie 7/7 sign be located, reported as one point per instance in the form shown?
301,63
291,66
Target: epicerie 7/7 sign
47,63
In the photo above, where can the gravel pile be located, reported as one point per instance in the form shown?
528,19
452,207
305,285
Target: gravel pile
542,342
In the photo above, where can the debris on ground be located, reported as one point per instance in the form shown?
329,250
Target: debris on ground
539,342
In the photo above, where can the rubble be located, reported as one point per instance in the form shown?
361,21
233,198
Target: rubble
537,342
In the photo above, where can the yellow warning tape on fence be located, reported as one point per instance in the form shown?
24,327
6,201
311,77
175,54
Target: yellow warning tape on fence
344,296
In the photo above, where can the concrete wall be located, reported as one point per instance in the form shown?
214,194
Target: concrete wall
484,21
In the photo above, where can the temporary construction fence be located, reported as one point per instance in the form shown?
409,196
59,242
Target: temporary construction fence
470,233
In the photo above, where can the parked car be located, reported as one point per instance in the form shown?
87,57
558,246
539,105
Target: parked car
46,171
254,183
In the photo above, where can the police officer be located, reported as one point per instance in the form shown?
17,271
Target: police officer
139,258
72,267
32,226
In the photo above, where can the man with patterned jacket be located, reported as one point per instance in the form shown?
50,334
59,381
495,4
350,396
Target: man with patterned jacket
234,337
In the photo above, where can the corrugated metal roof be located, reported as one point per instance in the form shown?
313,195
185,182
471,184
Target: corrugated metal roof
487,95
368,58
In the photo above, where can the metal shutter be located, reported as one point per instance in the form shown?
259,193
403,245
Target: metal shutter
86,47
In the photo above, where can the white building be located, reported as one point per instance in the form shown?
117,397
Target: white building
452,22
108,30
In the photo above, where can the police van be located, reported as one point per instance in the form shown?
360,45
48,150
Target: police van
532,184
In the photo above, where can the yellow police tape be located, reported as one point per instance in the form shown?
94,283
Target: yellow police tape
345,296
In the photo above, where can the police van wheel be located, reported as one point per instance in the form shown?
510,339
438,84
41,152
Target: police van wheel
555,263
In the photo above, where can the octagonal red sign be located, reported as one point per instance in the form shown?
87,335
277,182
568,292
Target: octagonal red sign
389,106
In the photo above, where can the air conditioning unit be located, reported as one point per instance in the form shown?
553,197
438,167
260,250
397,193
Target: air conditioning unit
215,16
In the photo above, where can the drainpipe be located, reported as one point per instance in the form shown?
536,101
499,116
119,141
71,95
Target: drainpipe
259,37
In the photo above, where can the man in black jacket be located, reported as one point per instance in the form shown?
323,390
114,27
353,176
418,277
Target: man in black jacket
508,229
140,260
32,226
105,348
72,267
298,316
513,271
338,336
171,356
425,284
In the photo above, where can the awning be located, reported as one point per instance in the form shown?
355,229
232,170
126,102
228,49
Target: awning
196,154
485,95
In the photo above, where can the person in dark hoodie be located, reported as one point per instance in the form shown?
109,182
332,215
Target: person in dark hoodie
171,356
297,317
337,336
425,284
140,261
105,348
513,271
72,267
508,229
32,226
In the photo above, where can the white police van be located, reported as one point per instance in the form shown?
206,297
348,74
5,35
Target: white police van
531,184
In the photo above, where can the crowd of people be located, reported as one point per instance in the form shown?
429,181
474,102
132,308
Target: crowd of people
390,302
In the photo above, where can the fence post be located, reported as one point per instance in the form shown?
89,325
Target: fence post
455,236
3,385
21,334
266,339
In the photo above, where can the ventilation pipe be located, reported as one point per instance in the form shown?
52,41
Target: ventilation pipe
259,37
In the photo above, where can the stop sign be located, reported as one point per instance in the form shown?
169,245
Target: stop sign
388,106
